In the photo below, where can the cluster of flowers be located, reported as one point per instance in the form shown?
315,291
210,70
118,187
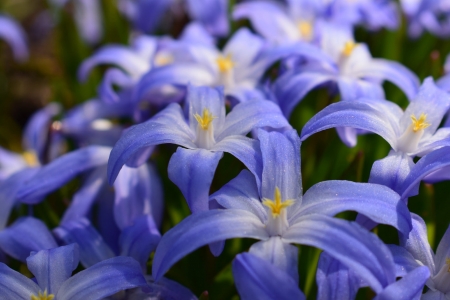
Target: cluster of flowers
178,91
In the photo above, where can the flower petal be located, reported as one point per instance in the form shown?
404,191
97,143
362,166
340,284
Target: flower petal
368,115
25,235
203,97
201,229
136,190
443,249
92,247
14,285
408,288
54,266
14,35
404,261
168,126
241,193
103,279
368,256
212,14
375,201
60,171
282,255
417,243
192,170
163,289
257,278
250,115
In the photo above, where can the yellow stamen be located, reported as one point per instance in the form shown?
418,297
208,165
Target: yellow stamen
305,28
348,48
419,123
30,158
163,59
276,206
43,296
224,63
205,119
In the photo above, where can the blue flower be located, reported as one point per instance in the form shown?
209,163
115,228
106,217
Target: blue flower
416,251
413,132
278,215
433,16
205,134
53,269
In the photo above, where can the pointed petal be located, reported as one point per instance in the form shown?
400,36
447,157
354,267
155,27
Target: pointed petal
241,193
375,201
417,243
408,288
13,34
87,14
335,280
404,261
246,150
392,170
118,55
54,266
250,115
354,88
256,278
192,170
282,255
443,249
8,192
25,235
175,74
394,72
60,171
212,14
430,164
14,285
431,101
368,115
92,247
103,279
134,195
168,126
37,129
84,198
113,77
368,256
201,229
291,88
281,168
440,138
140,239
269,19
244,47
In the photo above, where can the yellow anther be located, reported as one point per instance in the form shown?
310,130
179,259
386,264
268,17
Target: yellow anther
348,48
43,296
419,123
163,59
305,28
30,158
276,206
447,261
205,119
224,63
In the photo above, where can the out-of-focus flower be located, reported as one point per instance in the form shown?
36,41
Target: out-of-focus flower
433,16
13,34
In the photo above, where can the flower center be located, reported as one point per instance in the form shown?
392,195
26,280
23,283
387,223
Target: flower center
225,63
30,158
43,296
305,28
205,119
348,48
276,206
163,59
420,123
